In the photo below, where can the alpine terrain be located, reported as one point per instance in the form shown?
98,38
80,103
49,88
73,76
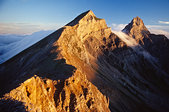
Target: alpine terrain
85,67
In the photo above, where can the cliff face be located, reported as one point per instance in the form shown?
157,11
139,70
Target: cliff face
80,44
60,84
73,94
85,67
137,30
156,45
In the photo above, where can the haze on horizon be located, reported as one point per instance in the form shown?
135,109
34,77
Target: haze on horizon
28,16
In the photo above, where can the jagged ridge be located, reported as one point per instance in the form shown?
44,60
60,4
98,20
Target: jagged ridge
87,47
73,94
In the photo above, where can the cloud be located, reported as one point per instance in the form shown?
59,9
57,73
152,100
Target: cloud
159,29
164,22
128,40
117,27
133,44
26,28
10,45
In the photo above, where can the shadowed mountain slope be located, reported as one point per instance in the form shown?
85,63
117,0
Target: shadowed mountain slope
156,45
84,66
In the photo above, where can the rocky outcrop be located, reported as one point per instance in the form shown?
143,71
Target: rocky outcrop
59,88
156,45
73,94
85,67
137,30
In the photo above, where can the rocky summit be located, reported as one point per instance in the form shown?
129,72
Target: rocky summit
84,66
137,30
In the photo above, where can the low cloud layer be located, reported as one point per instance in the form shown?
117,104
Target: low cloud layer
164,22
10,45
25,28
159,29
117,27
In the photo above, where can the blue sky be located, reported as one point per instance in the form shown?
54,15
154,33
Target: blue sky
27,16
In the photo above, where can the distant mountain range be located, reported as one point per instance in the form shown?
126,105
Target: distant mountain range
84,66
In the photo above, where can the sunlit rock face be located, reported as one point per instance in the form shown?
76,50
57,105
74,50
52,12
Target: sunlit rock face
84,66
73,94
60,84
137,30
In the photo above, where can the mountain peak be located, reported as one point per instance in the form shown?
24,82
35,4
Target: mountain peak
86,16
90,12
137,21
135,24
136,29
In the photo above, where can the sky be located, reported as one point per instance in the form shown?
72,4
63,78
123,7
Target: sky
28,16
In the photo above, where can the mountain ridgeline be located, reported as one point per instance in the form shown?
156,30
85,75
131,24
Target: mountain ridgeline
84,66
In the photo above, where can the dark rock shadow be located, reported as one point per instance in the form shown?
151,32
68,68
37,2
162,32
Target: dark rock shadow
123,74
158,47
136,73
77,19
9,105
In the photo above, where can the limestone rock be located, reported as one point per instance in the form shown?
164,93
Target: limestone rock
156,45
84,66
137,30
73,94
